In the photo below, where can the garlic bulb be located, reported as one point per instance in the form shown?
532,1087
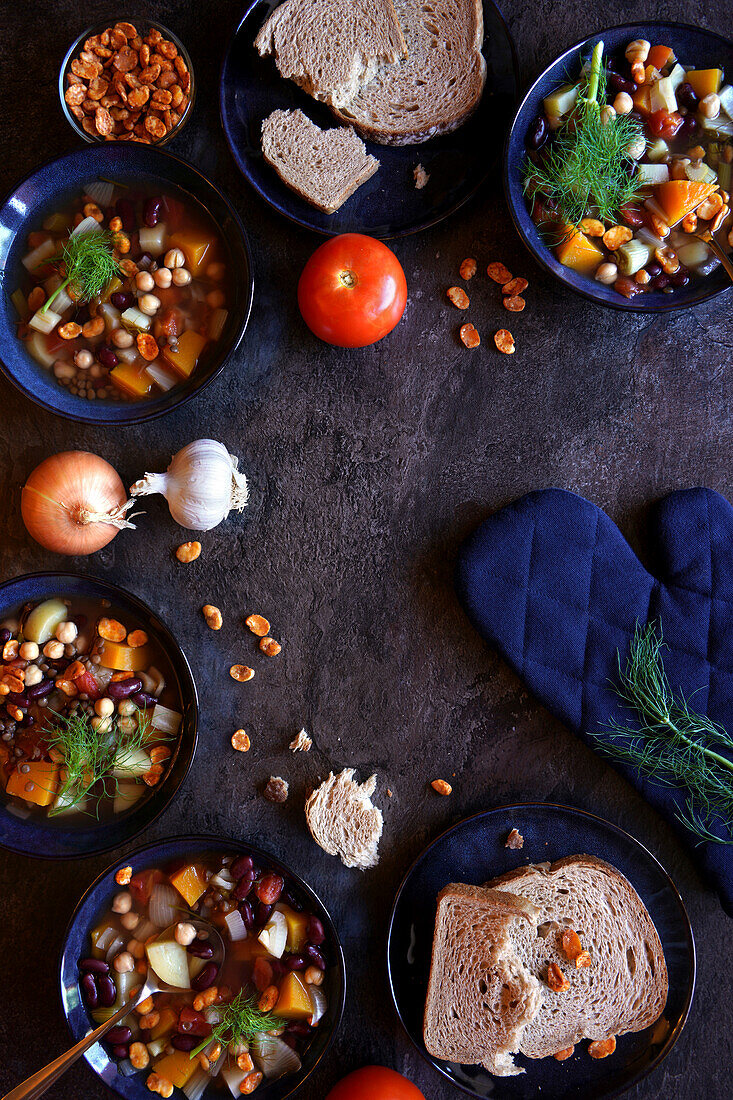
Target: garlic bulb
202,484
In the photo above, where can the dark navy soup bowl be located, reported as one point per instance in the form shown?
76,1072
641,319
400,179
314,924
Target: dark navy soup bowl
63,179
97,900
695,48
32,833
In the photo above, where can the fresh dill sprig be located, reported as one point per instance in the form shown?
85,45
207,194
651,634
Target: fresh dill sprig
240,1021
586,169
90,755
674,745
90,264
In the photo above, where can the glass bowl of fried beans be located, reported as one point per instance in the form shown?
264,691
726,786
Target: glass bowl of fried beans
127,82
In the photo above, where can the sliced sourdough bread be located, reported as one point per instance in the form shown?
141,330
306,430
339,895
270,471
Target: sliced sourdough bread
343,820
625,987
439,85
480,995
324,167
330,48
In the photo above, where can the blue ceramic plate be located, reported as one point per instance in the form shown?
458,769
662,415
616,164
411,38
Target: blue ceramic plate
387,205
693,46
473,851
97,900
36,834
43,191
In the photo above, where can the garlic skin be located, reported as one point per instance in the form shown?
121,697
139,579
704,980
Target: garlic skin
202,485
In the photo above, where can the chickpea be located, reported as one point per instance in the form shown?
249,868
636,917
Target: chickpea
623,104
63,369
174,258
84,359
149,304
606,274
125,707
122,902
185,933
104,707
53,650
33,676
96,370
709,106
638,50
129,922
121,338
215,299
101,725
216,271
144,281
136,948
127,725
181,276
29,651
607,114
66,632
636,148
313,976
124,963
162,277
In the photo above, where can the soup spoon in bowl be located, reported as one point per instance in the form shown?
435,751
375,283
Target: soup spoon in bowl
165,960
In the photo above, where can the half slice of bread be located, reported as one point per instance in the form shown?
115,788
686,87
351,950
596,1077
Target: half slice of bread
439,85
324,167
343,820
625,987
330,48
480,995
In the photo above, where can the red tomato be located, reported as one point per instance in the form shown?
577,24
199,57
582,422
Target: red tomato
141,885
352,291
664,124
86,683
375,1083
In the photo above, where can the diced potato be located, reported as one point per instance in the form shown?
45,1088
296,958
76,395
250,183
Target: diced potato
561,101
132,379
190,882
704,81
127,795
36,347
124,658
41,623
38,784
177,1068
579,253
169,960
663,96
294,1003
677,77
153,240
678,198
184,360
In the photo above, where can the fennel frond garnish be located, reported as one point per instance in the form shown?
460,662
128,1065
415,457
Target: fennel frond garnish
586,169
90,265
674,744
240,1021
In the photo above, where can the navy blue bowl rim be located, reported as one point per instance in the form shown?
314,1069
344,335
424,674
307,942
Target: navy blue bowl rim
222,842
122,596
507,810
188,391
429,222
538,248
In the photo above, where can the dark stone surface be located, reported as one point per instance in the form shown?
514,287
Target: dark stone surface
366,470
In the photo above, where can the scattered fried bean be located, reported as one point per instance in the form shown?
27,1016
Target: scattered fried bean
504,341
469,336
241,741
441,787
241,673
270,647
213,616
467,269
458,297
499,273
188,551
516,286
514,305
258,625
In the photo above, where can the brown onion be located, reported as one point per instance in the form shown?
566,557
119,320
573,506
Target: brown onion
74,503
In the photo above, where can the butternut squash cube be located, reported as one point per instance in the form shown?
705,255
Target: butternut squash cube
123,658
190,882
132,379
579,253
297,929
39,784
178,1068
659,56
678,198
166,1024
294,1002
184,360
195,245
704,81
642,98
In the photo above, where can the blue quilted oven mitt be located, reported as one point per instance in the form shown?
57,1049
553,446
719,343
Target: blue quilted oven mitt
552,584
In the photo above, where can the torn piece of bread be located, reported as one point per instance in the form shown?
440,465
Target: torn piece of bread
439,85
330,48
625,987
343,820
480,994
324,167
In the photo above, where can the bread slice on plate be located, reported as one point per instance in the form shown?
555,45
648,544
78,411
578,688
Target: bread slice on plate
330,48
480,994
439,85
625,987
324,167
343,820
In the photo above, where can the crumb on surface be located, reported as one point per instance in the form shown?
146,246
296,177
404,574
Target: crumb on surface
421,176
301,743
514,840
276,789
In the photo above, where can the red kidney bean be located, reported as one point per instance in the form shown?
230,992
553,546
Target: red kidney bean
628,287
537,133
121,299
120,1051
123,689
289,898
653,269
632,215
262,914
151,212
689,130
95,966
247,914
241,865
18,699
680,278
269,888
107,990
28,720
205,978
315,956
5,635
89,991
619,83
192,1022
144,701
686,96
660,282
244,885
185,1042
107,357
298,1029
294,962
126,211
118,1035
316,932
200,950
39,689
